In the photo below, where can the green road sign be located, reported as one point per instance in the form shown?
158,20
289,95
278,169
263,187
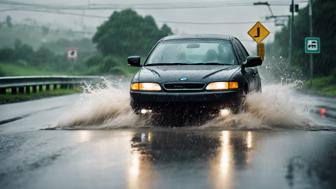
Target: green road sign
312,45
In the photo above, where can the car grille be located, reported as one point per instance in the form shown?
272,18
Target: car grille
184,86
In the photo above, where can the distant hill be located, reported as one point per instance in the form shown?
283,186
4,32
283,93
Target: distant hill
37,35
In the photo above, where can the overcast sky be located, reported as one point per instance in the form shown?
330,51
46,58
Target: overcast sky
226,11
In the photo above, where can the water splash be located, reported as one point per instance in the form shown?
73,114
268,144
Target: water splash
102,106
276,107
107,107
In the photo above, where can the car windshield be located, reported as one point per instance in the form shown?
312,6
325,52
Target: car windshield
182,52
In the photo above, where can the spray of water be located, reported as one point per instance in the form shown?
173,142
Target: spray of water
101,107
107,107
277,107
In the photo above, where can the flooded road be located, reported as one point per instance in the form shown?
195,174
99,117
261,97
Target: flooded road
41,147
168,158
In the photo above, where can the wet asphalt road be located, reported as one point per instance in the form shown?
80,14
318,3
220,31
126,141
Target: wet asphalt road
157,157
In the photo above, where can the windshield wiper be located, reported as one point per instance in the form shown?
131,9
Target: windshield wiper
173,64
165,64
210,63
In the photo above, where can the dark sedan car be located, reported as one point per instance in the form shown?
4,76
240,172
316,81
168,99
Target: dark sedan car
197,73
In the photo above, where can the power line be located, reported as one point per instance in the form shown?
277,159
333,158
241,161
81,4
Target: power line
55,12
161,21
210,23
145,6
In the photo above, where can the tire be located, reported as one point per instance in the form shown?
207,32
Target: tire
240,106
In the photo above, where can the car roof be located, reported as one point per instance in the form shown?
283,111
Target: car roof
198,36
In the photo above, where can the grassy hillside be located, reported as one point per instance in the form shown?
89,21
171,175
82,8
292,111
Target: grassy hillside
325,86
7,69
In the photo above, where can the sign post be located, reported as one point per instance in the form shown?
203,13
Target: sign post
258,33
261,50
311,58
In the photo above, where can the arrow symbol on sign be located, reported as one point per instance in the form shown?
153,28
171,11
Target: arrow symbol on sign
258,32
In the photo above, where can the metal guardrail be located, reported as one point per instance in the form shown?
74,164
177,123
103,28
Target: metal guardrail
33,84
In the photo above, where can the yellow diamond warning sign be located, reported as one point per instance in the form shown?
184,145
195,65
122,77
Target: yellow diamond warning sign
258,32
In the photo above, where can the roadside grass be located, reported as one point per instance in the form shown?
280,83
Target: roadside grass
11,98
16,69
7,69
325,86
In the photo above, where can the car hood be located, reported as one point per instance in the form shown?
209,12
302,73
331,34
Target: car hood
186,73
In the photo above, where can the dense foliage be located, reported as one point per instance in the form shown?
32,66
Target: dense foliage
324,24
34,34
124,33
24,56
127,33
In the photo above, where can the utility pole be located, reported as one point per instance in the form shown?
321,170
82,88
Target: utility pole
291,29
293,8
311,60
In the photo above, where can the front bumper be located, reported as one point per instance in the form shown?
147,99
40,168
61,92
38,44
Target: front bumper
174,101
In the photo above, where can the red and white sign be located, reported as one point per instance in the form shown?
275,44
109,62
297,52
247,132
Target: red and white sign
72,53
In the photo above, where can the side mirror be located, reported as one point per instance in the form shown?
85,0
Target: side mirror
252,61
134,61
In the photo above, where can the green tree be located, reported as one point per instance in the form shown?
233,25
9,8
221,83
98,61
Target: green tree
324,24
45,30
126,33
43,56
23,51
9,21
7,54
165,29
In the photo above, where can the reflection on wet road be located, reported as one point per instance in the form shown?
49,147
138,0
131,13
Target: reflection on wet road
234,159
169,158
151,157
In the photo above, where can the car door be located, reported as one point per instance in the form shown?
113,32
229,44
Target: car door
253,70
250,73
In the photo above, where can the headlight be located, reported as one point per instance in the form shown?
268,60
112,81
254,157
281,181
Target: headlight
222,85
145,87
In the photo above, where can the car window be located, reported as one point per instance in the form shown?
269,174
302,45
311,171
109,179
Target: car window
193,52
240,55
243,50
